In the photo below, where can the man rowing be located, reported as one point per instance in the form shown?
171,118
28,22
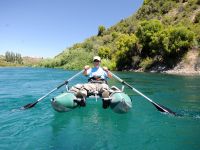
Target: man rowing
97,84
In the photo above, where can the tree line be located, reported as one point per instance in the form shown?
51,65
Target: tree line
13,57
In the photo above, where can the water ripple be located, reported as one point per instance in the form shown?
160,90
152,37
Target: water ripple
93,127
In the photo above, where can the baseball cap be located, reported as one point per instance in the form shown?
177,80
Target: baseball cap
96,58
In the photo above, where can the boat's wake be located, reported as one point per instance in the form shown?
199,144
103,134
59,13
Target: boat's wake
188,114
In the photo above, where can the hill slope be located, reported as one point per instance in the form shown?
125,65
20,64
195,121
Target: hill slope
157,37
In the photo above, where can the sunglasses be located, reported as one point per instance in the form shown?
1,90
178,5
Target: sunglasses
96,60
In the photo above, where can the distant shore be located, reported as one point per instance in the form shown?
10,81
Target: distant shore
175,71
182,72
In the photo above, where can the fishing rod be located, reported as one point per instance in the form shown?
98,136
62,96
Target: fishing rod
30,105
160,108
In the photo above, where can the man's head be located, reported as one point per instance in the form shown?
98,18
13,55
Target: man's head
96,60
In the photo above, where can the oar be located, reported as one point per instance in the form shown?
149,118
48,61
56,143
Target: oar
30,105
159,107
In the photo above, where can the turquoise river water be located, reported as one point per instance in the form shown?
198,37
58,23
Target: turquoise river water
92,127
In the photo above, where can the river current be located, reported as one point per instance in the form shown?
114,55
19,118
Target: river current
93,127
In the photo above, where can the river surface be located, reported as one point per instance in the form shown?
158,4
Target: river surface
92,127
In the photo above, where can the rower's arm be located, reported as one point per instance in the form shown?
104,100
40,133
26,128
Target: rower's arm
109,74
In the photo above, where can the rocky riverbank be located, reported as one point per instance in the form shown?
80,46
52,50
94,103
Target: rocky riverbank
190,65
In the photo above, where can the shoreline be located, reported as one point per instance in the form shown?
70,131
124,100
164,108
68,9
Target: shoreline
183,72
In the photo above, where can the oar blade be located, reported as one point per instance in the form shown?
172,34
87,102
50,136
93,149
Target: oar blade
30,105
162,108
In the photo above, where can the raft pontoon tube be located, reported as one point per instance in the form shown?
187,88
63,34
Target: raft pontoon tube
119,102
64,102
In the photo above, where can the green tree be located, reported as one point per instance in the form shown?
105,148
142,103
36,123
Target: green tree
18,58
104,52
146,33
180,40
197,18
77,58
126,47
10,56
13,57
101,30
159,44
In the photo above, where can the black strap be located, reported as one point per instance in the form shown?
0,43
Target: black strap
97,80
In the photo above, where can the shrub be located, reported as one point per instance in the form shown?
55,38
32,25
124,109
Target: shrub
126,46
197,18
108,63
101,30
180,39
77,59
104,52
146,32
146,63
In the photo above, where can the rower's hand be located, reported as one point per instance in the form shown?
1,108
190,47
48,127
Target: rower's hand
108,73
85,70
86,67
105,69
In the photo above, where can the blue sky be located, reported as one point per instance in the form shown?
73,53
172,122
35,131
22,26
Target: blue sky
44,28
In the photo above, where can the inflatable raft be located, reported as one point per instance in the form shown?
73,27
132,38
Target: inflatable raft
119,101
